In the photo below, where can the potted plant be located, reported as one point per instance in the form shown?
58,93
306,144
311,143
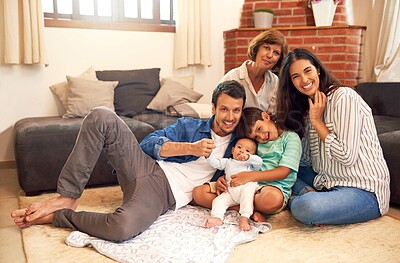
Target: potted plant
263,17
323,11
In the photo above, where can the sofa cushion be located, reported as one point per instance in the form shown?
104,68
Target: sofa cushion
86,94
136,88
195,110
157,120
390,142
382,97
61,89
43,144
172,93
386,124
187,81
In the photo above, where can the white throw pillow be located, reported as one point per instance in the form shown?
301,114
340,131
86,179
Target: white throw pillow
61,89
195,110
86,94
172,93
187,81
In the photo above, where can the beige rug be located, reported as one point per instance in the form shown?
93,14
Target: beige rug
288,241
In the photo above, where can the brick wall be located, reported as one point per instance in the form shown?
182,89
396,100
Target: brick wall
288,13
338,46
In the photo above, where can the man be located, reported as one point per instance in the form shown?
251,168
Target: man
150,186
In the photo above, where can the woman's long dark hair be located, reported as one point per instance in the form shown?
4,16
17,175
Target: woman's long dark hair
292,105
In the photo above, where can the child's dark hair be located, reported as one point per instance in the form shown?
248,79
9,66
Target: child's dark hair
248,119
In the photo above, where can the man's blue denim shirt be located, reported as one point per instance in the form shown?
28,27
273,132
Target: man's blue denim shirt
185,129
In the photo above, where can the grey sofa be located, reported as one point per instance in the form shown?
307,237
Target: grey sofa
43,144
384,99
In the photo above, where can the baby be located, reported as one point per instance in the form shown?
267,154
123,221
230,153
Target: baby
244,159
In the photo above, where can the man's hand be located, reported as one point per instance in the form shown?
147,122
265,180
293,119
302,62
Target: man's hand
221,185
203,147
240,178
200,148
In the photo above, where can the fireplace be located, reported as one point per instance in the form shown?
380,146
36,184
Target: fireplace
338,46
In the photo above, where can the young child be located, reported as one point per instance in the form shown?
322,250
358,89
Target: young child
243,159
280,151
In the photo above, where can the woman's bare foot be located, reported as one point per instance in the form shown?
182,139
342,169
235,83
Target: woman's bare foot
214,221
38,213
258,217
244,224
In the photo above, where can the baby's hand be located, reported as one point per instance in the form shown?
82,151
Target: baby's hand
243,157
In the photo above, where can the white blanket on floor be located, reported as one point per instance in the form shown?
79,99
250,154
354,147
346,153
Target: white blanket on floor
177,236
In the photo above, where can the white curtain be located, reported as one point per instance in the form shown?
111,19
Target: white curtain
192,37
23,32
388,50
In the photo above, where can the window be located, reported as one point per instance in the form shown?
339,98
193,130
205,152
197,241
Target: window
145,15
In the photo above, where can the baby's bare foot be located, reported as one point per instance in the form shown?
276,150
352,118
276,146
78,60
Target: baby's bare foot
244,224
214,221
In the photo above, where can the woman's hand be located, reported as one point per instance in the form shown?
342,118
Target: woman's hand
317,108
221,185
240,178
256,74
252,69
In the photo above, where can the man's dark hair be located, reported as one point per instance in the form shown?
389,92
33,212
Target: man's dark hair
248,119
232,88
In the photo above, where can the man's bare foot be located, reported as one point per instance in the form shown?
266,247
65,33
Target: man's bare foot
38,213
258,217
22,223
244,224
214,221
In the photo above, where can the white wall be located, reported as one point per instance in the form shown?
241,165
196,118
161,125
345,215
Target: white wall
24,90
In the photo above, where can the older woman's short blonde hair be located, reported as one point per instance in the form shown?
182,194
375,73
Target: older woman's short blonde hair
272,37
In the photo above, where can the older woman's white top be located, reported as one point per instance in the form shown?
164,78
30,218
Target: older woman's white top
351,155
265,98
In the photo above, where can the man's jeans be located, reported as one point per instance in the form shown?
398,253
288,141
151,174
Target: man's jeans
339,205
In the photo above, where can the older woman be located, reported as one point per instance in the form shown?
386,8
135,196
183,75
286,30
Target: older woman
265,52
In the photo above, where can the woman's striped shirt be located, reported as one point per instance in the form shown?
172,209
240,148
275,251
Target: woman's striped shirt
351,155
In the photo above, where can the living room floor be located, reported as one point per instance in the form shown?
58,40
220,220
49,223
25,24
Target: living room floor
11,248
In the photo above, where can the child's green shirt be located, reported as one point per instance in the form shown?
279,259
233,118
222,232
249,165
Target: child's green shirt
284,151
